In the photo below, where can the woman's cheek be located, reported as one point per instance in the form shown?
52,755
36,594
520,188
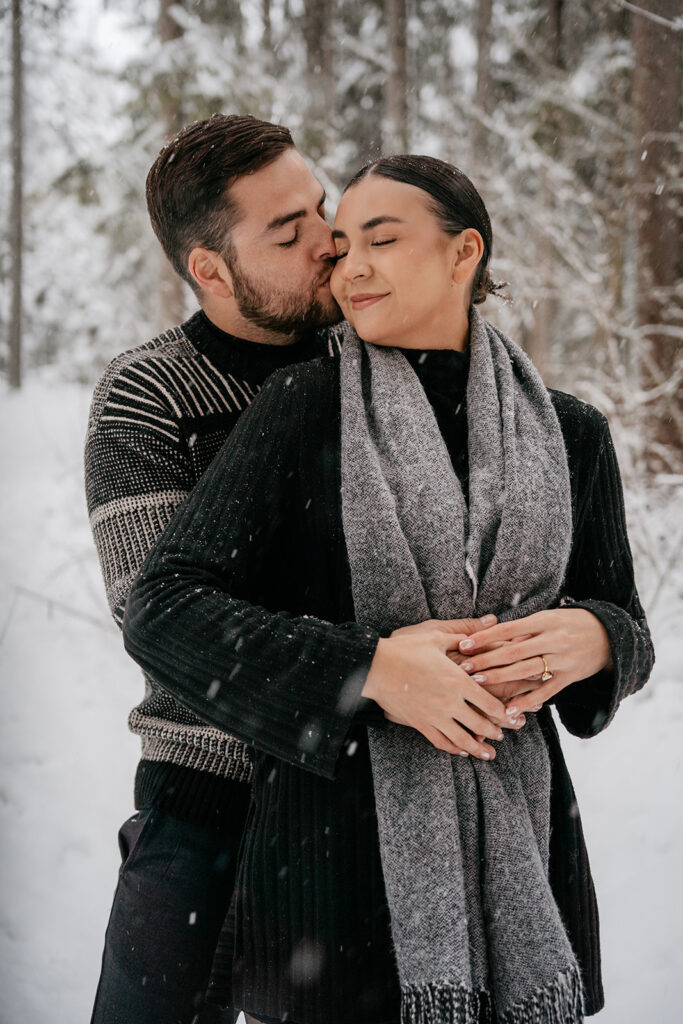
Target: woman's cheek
335,285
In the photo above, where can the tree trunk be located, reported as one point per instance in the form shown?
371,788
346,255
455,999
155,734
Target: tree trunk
482,96
267,27
545,309
396,130
554,49
16,227
656,110
172,293
317,25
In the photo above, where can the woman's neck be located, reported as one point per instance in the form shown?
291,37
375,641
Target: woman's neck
447,329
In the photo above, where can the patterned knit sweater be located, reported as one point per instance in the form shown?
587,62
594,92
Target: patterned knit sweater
159,415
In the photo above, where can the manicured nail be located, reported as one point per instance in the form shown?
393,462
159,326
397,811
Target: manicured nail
500,735
466,645
514,721
479,677
467,666
512,711
463,753
487,757
488,620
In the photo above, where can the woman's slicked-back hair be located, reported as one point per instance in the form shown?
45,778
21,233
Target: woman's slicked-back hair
454,200
188,184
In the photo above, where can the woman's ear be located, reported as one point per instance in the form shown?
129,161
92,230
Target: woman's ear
468,255
210,271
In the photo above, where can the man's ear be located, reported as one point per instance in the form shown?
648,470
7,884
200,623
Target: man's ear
468,254
210,271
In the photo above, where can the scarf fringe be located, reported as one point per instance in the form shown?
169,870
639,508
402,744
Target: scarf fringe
444,1003
560,1002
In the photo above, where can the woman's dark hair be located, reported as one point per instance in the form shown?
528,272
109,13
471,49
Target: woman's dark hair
455,201
188,184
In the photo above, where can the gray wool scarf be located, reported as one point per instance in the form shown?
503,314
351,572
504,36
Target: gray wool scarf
464,843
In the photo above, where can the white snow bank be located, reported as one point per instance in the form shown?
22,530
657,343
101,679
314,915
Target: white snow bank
67,759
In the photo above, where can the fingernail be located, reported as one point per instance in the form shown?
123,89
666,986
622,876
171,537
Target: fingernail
500,735
537,708
467,666
487,757
479,678
488,620
466,645
514,721
464,753
510,711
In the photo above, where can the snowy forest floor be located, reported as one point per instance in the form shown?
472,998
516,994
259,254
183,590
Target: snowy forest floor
67,759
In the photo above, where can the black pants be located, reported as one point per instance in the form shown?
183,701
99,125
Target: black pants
174,889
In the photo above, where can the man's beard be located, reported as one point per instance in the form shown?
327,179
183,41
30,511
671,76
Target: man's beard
279,311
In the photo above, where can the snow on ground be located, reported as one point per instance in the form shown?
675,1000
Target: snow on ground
67,760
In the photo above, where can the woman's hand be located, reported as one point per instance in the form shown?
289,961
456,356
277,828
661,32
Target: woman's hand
572,641
463,626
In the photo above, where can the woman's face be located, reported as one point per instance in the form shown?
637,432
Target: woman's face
394,273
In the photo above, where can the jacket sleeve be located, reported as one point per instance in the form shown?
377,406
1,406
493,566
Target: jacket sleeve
600,578
290,685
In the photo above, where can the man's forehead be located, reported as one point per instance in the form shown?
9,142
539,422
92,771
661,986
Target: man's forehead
283,187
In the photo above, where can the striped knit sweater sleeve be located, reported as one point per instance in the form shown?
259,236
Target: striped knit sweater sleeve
137,470
289,684
600,578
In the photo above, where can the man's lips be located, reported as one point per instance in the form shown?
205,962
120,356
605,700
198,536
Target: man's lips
363,301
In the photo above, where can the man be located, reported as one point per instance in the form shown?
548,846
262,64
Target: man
241,218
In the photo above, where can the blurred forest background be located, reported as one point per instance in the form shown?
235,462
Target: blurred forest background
566,114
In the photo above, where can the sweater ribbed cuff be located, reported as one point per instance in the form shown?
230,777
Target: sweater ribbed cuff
589,705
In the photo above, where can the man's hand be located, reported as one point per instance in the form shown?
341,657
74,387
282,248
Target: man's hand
415,682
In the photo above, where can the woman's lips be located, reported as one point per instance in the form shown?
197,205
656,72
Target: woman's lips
362,301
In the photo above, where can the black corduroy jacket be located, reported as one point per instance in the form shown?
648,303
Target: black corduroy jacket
244,612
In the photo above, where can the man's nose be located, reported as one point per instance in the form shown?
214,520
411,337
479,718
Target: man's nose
325,248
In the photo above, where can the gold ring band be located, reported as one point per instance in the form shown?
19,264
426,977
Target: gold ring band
547,674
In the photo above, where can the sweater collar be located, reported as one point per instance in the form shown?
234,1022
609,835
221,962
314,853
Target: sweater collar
443,370
249,359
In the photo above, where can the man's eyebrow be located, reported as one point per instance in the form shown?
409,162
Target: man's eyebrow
369,224
278,222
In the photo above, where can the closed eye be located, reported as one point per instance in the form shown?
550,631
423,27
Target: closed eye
290,243
384,241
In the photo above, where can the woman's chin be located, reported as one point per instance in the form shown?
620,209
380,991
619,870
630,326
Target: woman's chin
373,334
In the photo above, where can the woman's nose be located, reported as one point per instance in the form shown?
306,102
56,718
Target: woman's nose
354,267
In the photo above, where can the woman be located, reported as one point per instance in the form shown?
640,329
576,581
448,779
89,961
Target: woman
465,488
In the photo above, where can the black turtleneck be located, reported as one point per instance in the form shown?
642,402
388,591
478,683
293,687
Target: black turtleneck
443,374
253,360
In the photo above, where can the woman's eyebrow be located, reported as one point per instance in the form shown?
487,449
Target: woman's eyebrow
369,224
376,221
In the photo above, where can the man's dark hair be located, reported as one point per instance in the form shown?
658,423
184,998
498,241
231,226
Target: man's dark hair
455,201
188,184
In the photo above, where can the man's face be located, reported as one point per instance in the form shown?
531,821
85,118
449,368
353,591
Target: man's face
281,252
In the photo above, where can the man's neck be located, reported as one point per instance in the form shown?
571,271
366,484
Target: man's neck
239,327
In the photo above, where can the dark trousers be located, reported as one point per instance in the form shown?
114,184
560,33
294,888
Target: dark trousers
174,889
